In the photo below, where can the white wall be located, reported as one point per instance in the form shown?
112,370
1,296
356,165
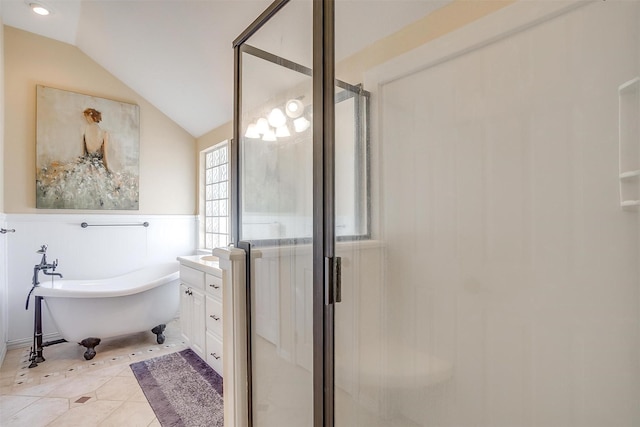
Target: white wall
3,239
3,289
508,254
167,181
92,252
168,160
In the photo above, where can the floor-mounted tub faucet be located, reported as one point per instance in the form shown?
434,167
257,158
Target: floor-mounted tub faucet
35,355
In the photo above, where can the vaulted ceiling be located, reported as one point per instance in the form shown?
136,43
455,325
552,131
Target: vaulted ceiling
177,54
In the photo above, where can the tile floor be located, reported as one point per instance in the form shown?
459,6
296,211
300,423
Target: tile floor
68,391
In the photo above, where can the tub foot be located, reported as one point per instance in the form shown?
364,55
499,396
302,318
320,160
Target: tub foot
90,344
158,330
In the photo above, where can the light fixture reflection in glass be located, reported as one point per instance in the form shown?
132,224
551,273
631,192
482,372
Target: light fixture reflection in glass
282,131
294,108
252,131
301,124
277,118
262,125
269,136
39,9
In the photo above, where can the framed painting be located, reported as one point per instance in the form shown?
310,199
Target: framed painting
87,152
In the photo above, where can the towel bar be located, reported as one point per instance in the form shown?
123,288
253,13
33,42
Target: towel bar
85,225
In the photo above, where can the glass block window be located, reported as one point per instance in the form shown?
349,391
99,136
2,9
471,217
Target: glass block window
216,197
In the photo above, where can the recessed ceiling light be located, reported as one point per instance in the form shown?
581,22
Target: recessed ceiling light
39,8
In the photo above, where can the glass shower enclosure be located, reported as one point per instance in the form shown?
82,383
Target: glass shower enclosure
482,164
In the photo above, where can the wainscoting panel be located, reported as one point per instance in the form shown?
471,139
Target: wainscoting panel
108,247
283,281
4,238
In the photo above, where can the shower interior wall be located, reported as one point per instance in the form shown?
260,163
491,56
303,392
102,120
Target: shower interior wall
508,255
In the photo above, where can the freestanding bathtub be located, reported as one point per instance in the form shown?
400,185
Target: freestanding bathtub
86,311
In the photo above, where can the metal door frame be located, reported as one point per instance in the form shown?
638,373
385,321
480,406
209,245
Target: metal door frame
323,201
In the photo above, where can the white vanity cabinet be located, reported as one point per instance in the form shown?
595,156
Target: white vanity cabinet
213,326
219,318
192,309
201,310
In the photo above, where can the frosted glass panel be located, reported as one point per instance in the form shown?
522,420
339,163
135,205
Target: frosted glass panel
501,285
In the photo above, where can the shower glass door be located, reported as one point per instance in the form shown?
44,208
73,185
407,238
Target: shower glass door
499,284
276,213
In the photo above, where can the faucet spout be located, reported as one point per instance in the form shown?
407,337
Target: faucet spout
52,274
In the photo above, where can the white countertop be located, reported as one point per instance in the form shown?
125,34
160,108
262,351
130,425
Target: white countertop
207,263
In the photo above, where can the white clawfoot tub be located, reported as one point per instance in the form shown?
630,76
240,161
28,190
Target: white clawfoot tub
86,311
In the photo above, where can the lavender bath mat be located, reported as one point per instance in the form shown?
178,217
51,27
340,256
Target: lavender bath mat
182,389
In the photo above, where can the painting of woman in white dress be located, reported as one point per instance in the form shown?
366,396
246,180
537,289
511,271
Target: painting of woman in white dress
87,152
95,138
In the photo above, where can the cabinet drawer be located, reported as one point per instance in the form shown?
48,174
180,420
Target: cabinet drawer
214,285
214,316
192,277
214,352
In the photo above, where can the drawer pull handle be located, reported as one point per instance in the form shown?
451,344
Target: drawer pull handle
214,286
215,356
214,317
188,292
